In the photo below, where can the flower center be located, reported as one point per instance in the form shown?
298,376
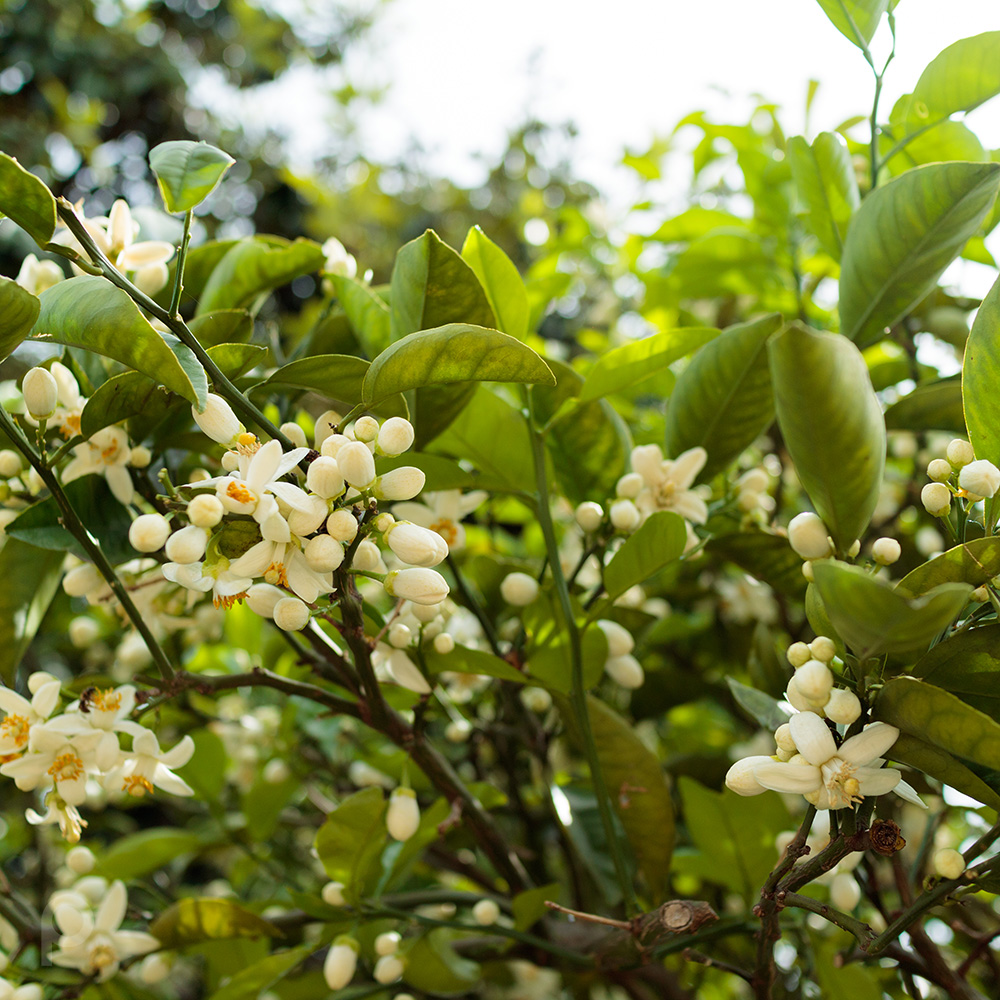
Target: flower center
228,602
70,425
15,728
137,785
665,493
247,444
66,767
844,789
445,527
108,700
239,492
103,956
276,575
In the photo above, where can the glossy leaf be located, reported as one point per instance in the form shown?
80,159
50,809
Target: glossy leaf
435,408
18,312
656,544
457,352
92,313
855,17
464,660
832,424
723,399
500,281
825,181
976,562
365,311
917,753
225,326
873,618
638,789
31,578
140,853
968,665
432,286
350,841
758,705
433,967
26,200
187,172
195,920
632,363
767,557
961,76
941,718
981,379
932,406
549,651
254,267
903,237
257,979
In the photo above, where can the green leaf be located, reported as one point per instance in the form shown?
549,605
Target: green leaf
257,979
193,920
529,906
932,406
549,652
873,618
855,17
435,407
463,660
939,717
441,473
656,544
825,181
350,841
903,237
187,172
224,326
838,981
767,557
433,967
31,578
18,312
432,286
734,836
916,753
205,772
500,280
92,313
832,424
981,378
144,852
974,563
633,363
757,704
255,266
723,399
365,311
457,352
26,200
967,664
961,76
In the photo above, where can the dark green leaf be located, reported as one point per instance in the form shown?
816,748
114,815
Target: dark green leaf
967,664
856,20
832,424
837,980
767,557
917,753
433,967
550,653
633,363
975,563
981,379
435,407
457,352
263,803
350,841
903,237
932,406
757,704
18,312
205,772
144,852
656,544
961,76
499,278
874,618
723,399
432,286
825,180
26,200
31,578
529,906
92,313
257,979
193,920
187,172
365,311
463,660
225,326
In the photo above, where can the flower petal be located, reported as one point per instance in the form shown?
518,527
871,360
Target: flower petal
877,781
111,912
905,791
812,738
796,778
687,465
870,744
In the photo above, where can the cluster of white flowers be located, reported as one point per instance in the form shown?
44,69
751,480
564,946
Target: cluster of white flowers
811,688
58,752
959,474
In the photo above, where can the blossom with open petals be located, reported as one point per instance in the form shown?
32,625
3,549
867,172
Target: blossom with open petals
147,765
667,482
22,715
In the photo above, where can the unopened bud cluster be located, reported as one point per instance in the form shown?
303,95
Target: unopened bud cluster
811,687
960,474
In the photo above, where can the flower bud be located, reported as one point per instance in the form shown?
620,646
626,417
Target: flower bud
187,545
139,457
403,483
798,653
367,557
444,643
365,429
420,585
808,536
387,943
326,424
205,510
415,545
10,463
342,525
536,699
323,554
324,478
589,516
41,393
154,969
332,444
822,648
620,641
84,632
333,893
980,595
384,522
486,912
626,671
395,436
81,860
886,551
230,461
624,515
291,614
402,818
798,700
458,731
845,893
82,580
814,680
217,420
341,962
936,498
148,532
305,522
399,635
939,470
295,434
949,863
262,598
629,486
276,772
356,464
960,453
842,707
388,969
519,589
740,779
981,477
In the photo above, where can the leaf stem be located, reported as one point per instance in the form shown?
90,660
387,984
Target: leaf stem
175,297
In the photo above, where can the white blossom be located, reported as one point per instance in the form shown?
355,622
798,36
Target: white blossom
442,512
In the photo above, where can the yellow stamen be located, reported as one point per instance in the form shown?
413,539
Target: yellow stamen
137,785
247,444
446,528
108,700
228,602
15,727
239,492
276,575
66,767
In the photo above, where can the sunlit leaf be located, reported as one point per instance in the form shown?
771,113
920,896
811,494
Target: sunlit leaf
351,839
365,311
917,753
194,920
18,312
187,172
856,20
932,406
26,200
825,181
500,280
981,379
656,544
961,76
975,562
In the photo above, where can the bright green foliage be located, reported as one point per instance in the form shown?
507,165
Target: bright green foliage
187,172
976,562
18,312
351,839
500,280
26,200
856,20
981,379
933,405
656,544
961,76
194,920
